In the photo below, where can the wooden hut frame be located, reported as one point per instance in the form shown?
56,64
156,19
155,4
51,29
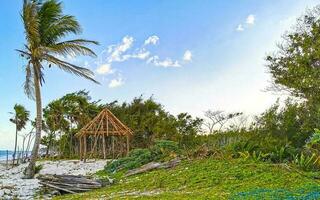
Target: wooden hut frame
103,126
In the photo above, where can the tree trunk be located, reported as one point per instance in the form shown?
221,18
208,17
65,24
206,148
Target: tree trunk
15,142
30,171
22,153
28,145
49,143
47,151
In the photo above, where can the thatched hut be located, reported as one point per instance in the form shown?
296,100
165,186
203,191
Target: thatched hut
102,132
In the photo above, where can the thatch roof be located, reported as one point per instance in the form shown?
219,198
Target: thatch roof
105,123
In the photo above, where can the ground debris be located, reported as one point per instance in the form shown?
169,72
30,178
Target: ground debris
153,165
69,183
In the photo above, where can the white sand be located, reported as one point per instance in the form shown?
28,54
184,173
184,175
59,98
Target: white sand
12,184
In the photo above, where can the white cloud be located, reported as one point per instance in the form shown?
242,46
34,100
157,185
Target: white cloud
168,62
240,28
142,54
122,52
152,40
187,56
116,83
116,51
104,69
250,19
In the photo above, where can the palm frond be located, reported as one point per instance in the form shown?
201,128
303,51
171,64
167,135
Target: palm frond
31,23
80,42
23,53
28,84
68,67
68,48
53,24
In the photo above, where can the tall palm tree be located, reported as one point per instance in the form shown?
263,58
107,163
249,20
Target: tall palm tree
20,119
45,26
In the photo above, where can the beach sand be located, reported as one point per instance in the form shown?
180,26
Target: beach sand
13,185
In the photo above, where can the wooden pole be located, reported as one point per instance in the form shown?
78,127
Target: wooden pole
85,148
128,148
112,137
104,146
80,147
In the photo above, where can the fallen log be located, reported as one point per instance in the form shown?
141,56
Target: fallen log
57,188
153,165
69,183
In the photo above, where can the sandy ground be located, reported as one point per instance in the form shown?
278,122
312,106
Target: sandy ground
12,185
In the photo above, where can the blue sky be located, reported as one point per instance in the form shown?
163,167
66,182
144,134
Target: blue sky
191,55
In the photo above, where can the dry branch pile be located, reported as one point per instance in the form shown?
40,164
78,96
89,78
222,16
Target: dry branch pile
69,183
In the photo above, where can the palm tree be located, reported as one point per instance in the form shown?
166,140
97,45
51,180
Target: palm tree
45,26
20,119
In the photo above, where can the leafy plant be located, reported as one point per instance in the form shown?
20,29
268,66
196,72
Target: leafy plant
161,151
314,140
306,162
255,155
38,168
136,158
165,150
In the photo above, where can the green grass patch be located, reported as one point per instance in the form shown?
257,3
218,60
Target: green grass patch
213,179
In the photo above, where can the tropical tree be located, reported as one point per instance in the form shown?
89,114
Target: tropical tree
295,66
45,26
20,119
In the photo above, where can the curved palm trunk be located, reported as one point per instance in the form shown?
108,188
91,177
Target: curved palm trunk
30,171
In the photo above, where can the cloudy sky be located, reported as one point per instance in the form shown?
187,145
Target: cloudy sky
191,55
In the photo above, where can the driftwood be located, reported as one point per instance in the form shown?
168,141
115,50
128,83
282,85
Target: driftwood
153,165
69,183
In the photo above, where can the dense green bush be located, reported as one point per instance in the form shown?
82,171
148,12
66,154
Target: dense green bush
161,151
307,162
136,158
164,150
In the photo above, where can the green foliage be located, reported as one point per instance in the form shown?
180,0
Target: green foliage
136,158
255,156
295,66
282,154
314,140
291,123
212,179
243,146
63,118
162,150
21,116
165,150
307,162
38,168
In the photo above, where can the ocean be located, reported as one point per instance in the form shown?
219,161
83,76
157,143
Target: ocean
3,155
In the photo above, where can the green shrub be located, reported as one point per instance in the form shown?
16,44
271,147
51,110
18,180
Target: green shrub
136,158
38,168
307,162
242,146
165,150
314,141
283,154
161,151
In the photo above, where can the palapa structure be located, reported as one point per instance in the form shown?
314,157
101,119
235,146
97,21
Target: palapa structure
104,128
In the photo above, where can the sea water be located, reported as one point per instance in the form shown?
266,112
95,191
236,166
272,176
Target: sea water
3,154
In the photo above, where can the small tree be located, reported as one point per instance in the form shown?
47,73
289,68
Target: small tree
20,119
218,119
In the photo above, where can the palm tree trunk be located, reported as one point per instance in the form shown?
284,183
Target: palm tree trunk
15,142
30,171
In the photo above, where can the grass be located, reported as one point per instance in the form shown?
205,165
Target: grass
213,179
